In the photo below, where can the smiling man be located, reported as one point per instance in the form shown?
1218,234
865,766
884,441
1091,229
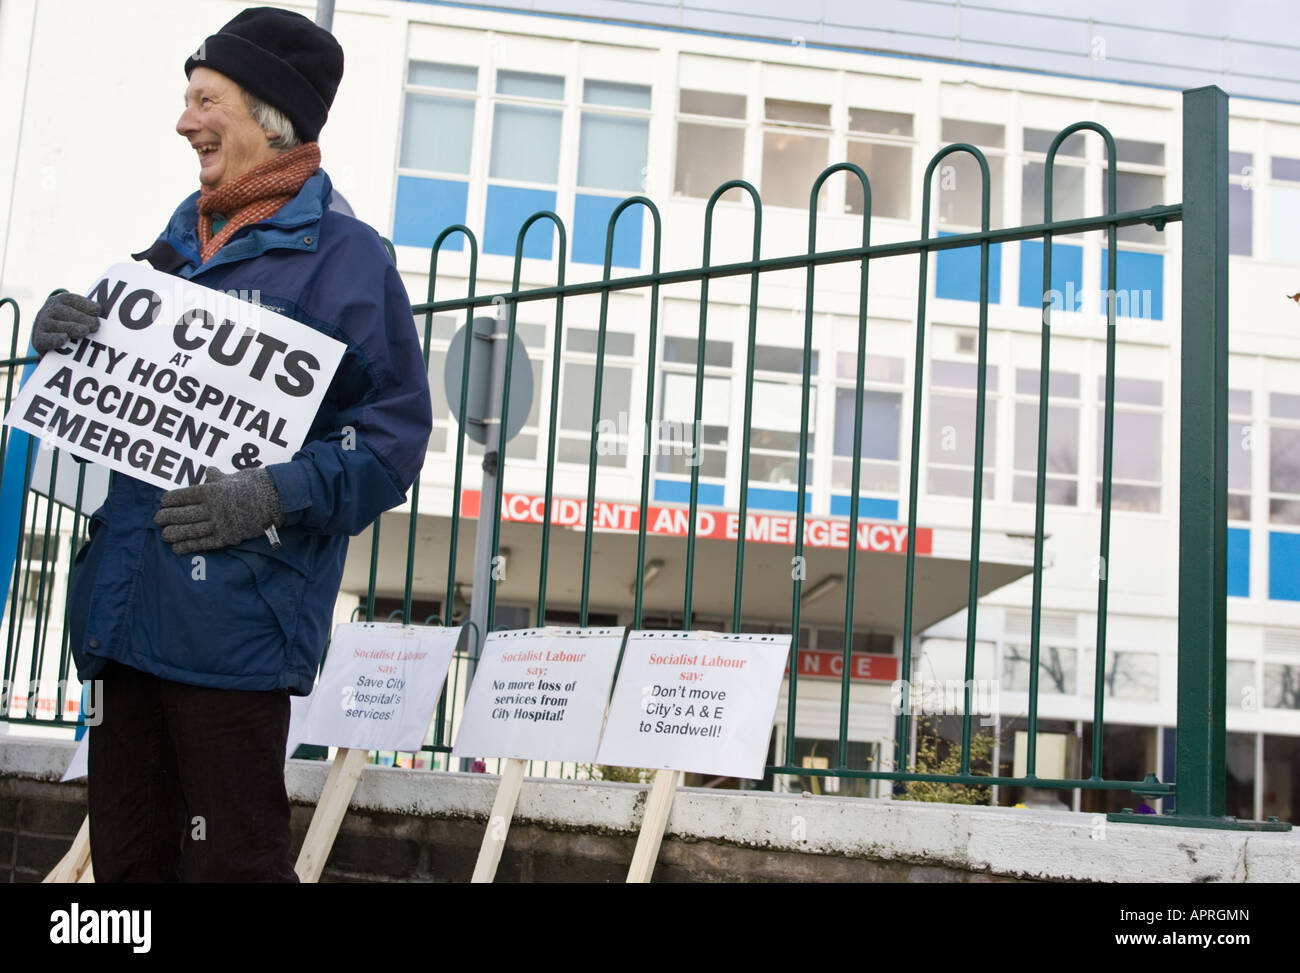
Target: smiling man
220,124
202,609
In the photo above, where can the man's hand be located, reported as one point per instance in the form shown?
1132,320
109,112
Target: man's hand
223,510
64,316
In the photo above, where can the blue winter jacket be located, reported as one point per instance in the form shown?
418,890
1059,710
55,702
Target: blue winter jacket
249,616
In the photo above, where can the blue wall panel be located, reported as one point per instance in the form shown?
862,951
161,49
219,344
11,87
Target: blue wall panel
1141,283
1284,566
1239,562
957,273
762,498
590,223
507,209
679,491
1067,275
426,207
871,507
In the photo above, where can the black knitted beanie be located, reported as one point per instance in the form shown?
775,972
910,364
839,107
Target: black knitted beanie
282,58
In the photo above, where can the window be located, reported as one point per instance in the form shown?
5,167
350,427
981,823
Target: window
577,392
882,411
422,610
1240,776
36,589
815,754
1240,685
796,144
677,388
1140,178
559,616
438,120
40,546
1127,752
1068,174
436,152
1139,183
872,643
614,136
775,415
944,660
1057,669
1129,675
1281,782
832,640
517,164
1281,686
1241,183
952,429
710,142
524,162
1062,468
881,143
1138,446
673,622
525,134
1240,444
1284,208
1284,458
1058,754
958,184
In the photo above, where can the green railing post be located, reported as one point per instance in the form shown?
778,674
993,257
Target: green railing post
1203,460
1201,767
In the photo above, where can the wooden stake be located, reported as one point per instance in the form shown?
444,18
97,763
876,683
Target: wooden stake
333,804
657,808
503,809
75,865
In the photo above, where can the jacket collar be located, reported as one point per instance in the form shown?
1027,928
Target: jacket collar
294,227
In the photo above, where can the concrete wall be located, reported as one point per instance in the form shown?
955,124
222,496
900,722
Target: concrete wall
420,826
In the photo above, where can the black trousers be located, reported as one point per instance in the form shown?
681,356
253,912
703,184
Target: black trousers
187,783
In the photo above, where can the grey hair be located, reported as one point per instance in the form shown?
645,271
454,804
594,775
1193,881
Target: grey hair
272,121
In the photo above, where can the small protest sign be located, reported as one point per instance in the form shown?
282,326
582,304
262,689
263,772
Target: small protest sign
380,685
178,378
298,707
79,765
540,694
701,702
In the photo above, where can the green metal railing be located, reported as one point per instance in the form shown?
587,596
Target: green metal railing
1200,787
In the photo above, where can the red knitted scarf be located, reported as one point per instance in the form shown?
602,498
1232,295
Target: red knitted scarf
254,196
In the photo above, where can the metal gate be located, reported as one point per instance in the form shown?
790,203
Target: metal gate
1200,786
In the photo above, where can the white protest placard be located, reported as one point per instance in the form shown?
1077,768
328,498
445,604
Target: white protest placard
68,477
178,378
299,706
79,765
380,685
701,702
540,694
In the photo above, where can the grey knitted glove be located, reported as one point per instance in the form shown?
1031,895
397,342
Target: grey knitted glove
64,316
223,510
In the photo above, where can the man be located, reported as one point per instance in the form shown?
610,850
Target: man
202,609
